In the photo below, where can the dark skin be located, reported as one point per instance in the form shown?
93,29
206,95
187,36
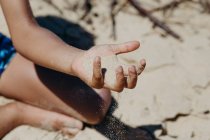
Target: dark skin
33,85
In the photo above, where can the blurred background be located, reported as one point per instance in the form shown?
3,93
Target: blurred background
171,99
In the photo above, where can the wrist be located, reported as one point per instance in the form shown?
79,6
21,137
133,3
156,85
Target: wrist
75,64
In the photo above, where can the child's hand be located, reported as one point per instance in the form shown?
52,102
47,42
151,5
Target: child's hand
99,67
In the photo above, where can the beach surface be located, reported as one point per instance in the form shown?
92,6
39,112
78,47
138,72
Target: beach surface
172,95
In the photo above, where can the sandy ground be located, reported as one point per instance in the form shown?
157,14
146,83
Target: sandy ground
172,95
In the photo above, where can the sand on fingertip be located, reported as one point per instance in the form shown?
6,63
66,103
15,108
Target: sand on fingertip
109,66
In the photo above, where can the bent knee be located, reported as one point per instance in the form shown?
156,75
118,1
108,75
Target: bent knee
96,116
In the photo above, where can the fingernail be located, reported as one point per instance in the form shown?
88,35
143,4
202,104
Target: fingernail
143,62
98,58
120,69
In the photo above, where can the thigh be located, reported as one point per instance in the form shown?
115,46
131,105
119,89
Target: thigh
52,90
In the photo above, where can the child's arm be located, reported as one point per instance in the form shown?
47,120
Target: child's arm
34,42
46,49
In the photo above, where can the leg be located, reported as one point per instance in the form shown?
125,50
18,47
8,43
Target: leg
53,91
15,114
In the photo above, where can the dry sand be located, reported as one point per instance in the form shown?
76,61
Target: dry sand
173,91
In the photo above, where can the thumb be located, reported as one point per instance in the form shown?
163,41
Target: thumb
126,47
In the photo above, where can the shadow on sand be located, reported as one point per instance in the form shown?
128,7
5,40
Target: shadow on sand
111,127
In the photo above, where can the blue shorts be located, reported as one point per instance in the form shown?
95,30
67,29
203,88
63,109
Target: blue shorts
7,51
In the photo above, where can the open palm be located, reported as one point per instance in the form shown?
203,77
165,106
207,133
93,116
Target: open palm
99,67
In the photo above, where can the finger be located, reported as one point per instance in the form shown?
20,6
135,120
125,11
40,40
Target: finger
132,77
125,47
120,79
125,69
97,79
141,66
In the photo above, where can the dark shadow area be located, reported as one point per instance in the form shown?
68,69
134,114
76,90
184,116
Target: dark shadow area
69,32
72,91
80,96
114,129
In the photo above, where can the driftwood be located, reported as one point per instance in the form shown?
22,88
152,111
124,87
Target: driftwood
142,11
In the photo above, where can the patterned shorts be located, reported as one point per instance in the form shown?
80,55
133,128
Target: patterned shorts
7,51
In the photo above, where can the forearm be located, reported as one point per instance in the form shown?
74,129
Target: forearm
44,48
37,44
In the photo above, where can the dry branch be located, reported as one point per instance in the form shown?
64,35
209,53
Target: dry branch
153,19
54,6
113,5
170,5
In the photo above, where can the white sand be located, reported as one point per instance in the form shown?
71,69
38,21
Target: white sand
176,80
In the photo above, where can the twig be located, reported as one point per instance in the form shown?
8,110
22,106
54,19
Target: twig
153,19
120,7
112,14
115,9
170,5
88,8
206,5
54,6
